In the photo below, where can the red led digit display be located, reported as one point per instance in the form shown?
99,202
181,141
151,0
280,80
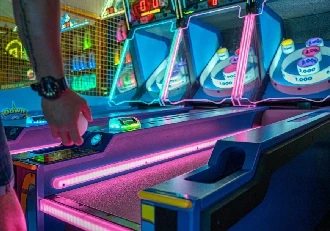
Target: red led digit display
212,2
155,4
146,4
143,5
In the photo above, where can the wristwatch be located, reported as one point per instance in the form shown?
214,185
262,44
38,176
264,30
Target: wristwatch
50,87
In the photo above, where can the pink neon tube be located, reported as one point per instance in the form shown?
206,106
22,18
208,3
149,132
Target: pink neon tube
250,31
237,79
33,149
246,43
168,77
112,169
249,24
77,218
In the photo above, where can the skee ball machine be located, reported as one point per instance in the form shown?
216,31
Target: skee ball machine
276,176
149,45
58,176
105,195
115,200
210,48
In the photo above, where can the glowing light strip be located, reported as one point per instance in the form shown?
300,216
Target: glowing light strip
288,98
106,6
238,71
113,15
119,69
33,148
168,73
250,31
214,11
243,59
77,218
111,169
75,26
150,12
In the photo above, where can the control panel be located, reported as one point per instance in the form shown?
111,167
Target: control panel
61,155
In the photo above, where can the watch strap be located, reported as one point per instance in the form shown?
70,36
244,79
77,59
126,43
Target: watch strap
62,83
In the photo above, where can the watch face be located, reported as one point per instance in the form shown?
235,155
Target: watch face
49,88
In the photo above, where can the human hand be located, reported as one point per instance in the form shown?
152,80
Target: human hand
62,116
12,217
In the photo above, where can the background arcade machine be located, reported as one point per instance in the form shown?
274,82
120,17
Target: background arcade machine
276,176
211,58
90,70
152,34
123,161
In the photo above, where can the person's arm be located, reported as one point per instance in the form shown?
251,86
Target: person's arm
38,23
11,218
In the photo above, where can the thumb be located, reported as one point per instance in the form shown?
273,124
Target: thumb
87,112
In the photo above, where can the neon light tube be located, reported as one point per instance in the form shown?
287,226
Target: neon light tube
241,60
77,218
169,70
248,28
112,169
251,25
12,152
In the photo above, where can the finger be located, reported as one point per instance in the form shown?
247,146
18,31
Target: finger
54,132
87,112
75,137
66,139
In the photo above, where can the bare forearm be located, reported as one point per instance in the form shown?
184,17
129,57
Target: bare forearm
38,23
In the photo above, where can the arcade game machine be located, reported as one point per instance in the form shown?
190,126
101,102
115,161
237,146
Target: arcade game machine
211,59
275,177
128,155
90,70
152,34
104,193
